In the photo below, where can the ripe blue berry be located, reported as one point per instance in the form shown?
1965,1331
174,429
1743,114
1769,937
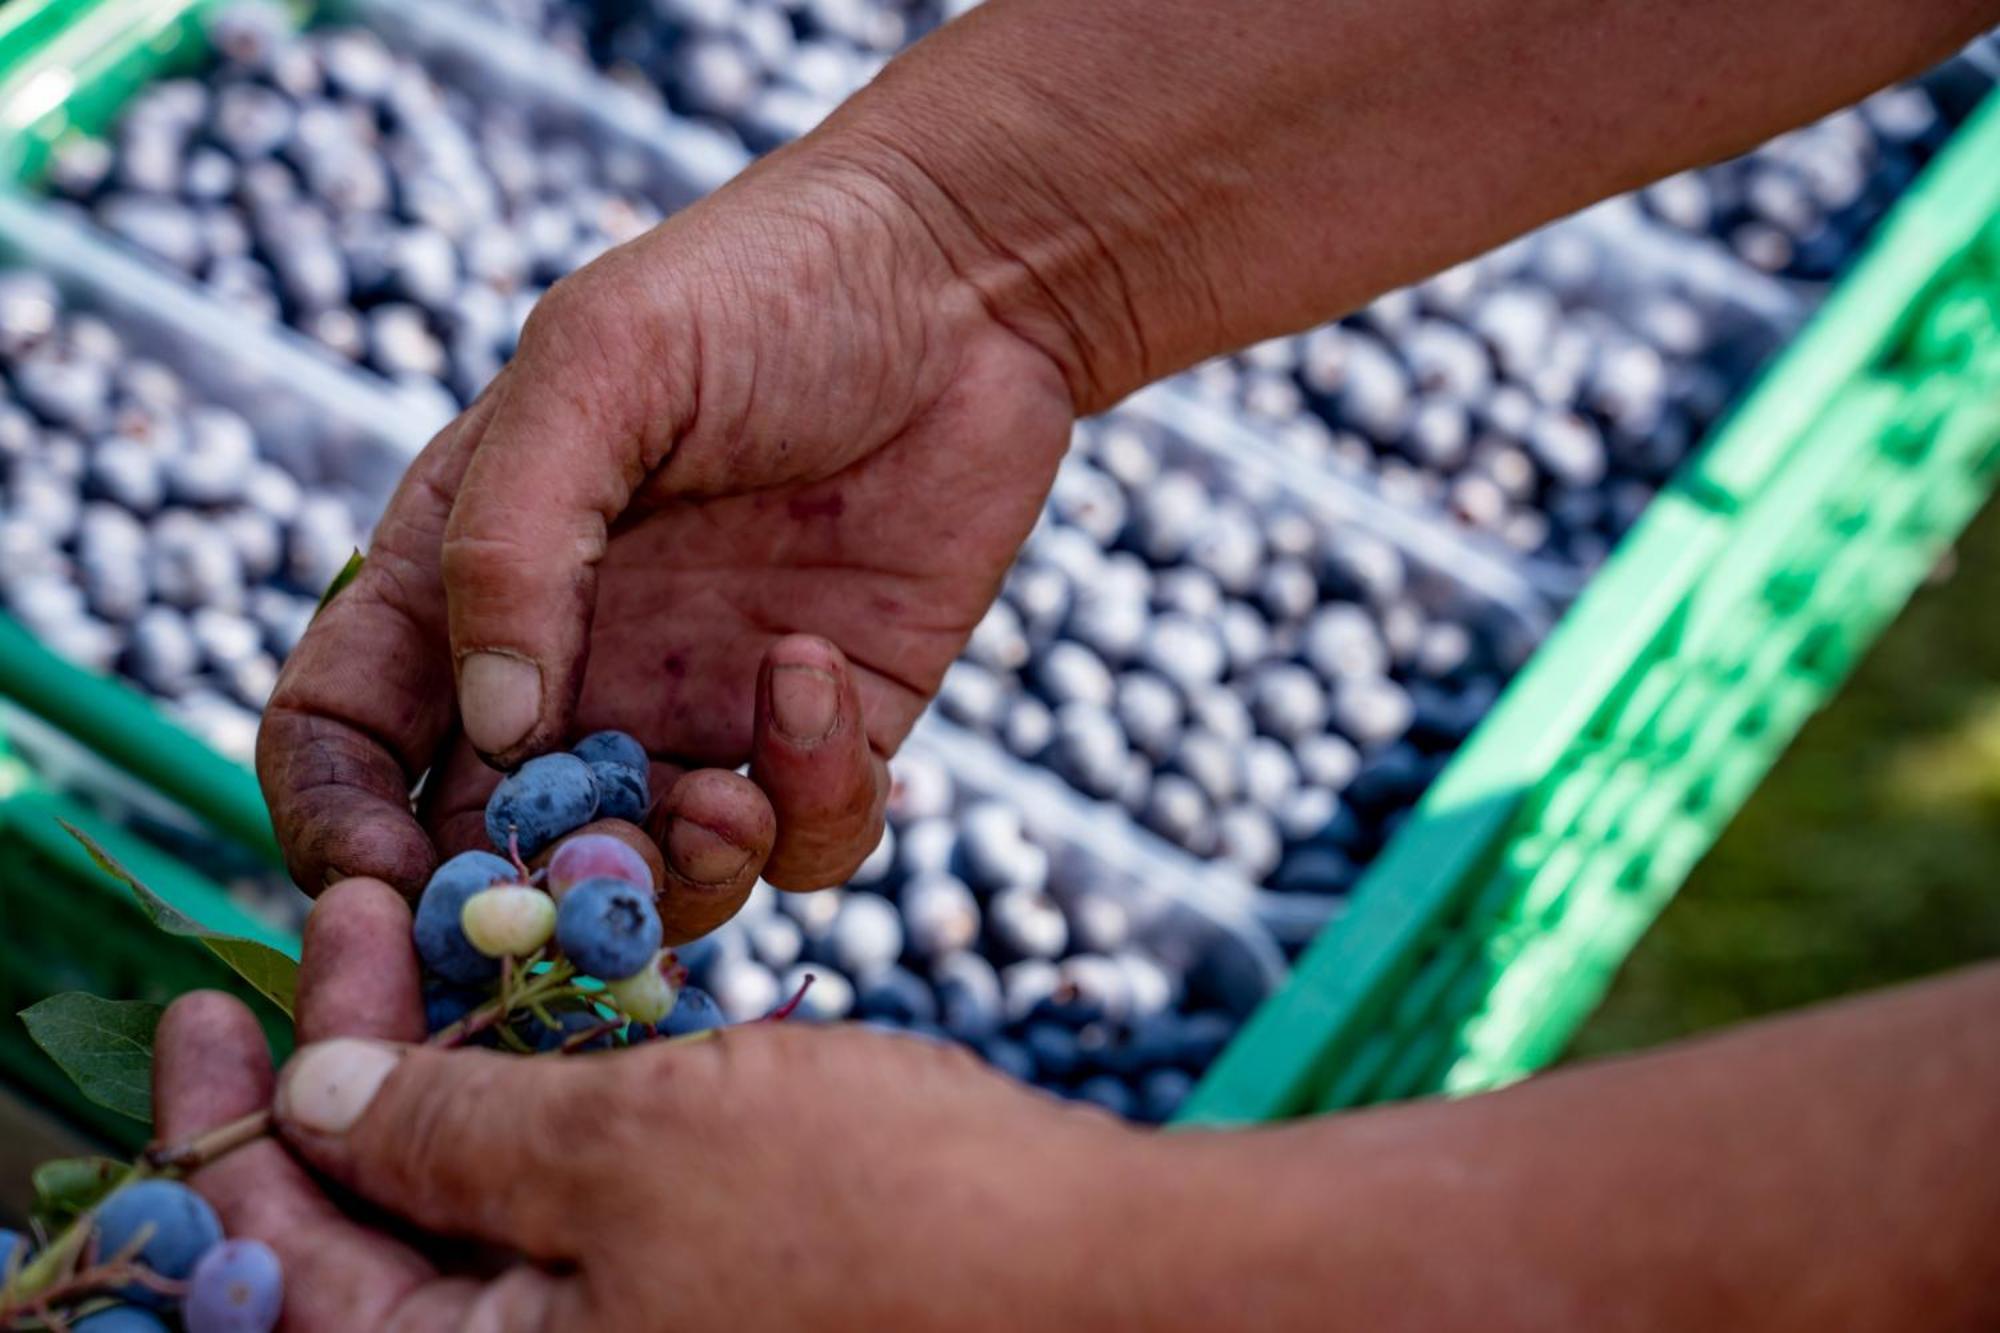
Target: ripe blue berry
179,1229
1107,1092
608,928
238,1287
695,1011
445,1005
540,801
121,1319
441,942
612,747
621,792
15,1251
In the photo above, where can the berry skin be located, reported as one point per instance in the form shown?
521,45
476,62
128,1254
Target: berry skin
621,792
238,1287
180,1227
607,849
648,995
540,801
695,1011
508,920
121,1319
441,941
608,928
1109,1093
445,1005
15,1251
612,747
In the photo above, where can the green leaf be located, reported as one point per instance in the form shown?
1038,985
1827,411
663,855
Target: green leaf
273,974
70,1186
340,580
105,1046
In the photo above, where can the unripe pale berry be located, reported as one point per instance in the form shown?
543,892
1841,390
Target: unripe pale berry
648,995
508,920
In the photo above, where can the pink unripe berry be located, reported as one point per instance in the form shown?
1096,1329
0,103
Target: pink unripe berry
597,856
508,920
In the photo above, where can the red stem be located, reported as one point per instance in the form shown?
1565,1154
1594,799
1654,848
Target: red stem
785,1010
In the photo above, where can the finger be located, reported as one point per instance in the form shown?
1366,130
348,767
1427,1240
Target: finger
716,829
811,755
337,757
358,971
210,1068
499,1148
530,524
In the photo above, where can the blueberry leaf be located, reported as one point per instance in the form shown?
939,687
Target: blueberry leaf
346,576
69,1186
105,1046
274,975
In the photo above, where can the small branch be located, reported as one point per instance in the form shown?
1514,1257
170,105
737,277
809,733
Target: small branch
191,1155
582,1039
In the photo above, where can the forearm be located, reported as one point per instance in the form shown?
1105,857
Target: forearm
1831,1170
1137,184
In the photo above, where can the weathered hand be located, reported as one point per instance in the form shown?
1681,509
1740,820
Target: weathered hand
745,490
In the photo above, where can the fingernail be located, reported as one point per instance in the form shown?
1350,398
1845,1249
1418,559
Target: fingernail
327,1086
804,702
499,698
703,855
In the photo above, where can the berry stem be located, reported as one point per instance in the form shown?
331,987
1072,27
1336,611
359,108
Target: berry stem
192,1154
785,1010
514,854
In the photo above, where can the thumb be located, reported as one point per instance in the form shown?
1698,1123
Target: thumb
553,470
494,1147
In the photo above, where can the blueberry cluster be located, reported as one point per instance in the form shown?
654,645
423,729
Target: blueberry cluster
1532,394
963,926
565,957
161,1263
769,70
142,529
1254,684
1802,205
404,223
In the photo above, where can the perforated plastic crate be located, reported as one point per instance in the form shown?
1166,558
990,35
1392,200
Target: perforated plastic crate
1493,924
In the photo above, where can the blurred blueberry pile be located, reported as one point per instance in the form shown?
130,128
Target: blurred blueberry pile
141,528
964,926
768,71
404,223
1254,683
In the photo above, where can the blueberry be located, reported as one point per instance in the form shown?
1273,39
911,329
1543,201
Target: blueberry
508,920
940,914
441,942
608,928
121,1319
776,941
15,1250
238,1287
613,747
1027,923
1010,1058
445,1005
1107,1092
695,1011
969,996
1315,869
542,800
177,1225
621,793
1161,1094
896,995
1054,1050
1202,1037
867,935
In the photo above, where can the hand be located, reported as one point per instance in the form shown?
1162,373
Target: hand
771,1176
745,490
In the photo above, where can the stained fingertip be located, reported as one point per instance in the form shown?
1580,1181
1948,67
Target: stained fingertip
210,1064
716,828
358,974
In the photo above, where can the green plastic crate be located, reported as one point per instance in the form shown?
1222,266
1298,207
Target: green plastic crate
1494,922
69,926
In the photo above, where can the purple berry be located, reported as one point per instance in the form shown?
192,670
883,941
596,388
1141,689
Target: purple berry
238,1287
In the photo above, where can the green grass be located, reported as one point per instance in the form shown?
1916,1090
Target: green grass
1870,855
